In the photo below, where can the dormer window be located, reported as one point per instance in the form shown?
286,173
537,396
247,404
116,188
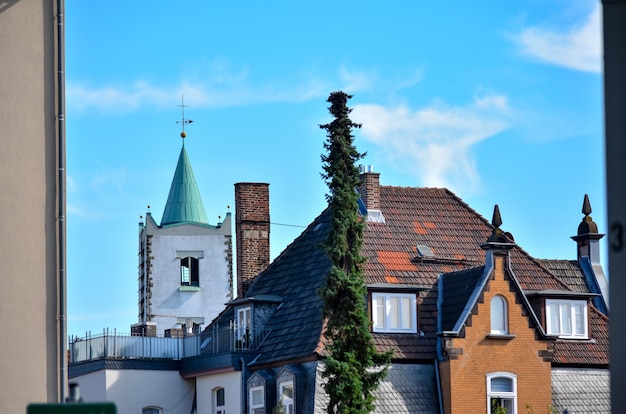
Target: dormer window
567,318
244,325
394,312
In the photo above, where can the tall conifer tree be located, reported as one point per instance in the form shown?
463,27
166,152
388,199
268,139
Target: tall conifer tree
353,367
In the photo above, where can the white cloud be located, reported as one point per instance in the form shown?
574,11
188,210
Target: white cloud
576,47
434,143
215,85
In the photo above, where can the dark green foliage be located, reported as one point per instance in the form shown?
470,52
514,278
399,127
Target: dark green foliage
353,366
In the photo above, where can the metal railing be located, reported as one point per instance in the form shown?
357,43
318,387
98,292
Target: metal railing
116,345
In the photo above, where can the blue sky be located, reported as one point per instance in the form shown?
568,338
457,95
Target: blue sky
499,101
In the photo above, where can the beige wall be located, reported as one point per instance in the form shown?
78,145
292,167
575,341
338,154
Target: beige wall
28,228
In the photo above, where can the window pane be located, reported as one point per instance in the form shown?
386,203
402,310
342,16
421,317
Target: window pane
566,319
185,276
407,314
505,403
379,312
554,327
257,397
498,315
501,384
287,391
394,313
579,318
219,397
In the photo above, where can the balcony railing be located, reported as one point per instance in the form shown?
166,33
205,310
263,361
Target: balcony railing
211,342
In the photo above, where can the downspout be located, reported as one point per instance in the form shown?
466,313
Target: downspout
61,199
244,391
439,342
439,393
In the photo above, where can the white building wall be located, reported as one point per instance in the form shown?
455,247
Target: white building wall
170,302
230,381
131,390
92,386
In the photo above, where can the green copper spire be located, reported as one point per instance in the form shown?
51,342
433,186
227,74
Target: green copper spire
184,204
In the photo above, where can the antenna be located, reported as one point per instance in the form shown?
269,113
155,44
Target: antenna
183,121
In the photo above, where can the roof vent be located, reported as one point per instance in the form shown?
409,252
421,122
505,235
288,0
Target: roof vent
425,252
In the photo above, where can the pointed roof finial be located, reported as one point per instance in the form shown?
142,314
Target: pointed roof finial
498,238
586,206
588,226
497,219
183,121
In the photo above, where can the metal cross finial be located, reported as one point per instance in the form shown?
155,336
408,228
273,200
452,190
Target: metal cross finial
183,121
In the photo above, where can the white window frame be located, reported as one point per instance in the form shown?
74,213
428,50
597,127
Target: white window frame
567,318
380,299
219,409
505,395
244,325
499,315
151,410
260,406
286,402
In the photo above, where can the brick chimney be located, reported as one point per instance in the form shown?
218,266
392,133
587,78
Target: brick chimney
370,188
252,230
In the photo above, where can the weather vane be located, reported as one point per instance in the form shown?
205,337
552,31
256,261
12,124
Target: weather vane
183,121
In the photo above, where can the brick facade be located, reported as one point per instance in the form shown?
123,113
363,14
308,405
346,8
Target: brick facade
252,229
477,354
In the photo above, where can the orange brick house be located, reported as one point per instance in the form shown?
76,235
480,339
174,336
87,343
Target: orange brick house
485,313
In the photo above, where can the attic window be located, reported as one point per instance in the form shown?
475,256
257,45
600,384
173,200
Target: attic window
425,252
394,312
567,318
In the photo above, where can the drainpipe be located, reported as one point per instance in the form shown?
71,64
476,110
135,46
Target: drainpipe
61,199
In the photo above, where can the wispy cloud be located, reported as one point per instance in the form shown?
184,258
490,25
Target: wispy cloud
578,46
223,87
434,144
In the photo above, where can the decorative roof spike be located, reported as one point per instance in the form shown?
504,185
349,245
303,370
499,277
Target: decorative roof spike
497,219
586,206
497,235
588,226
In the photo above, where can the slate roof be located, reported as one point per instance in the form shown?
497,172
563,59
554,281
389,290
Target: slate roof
458,287
431,217
569,271
581,391
296,275
405,389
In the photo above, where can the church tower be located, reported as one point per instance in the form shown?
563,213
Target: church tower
185,263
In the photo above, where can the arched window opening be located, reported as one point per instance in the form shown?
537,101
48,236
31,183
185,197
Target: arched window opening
219,401
499,316
501,393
